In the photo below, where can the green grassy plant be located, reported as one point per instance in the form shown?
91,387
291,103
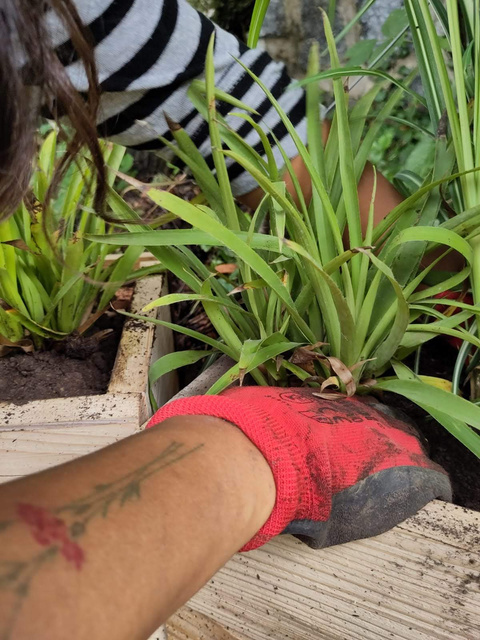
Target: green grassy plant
335,310
447,43
53,281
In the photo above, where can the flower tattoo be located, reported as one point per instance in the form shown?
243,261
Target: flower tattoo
58,529
49,530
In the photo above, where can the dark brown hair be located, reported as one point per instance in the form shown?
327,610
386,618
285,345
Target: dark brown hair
32,77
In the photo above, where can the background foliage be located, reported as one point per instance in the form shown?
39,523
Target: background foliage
232,15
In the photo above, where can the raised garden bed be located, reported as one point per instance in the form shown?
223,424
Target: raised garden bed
43,433
77,366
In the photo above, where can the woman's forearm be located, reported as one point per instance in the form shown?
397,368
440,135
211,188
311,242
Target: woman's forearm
113,543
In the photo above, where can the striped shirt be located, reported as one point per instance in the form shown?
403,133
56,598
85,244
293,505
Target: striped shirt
147,53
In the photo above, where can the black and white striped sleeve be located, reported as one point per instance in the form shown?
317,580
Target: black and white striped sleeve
148,51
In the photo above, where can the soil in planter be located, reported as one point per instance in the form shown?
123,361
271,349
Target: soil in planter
75,367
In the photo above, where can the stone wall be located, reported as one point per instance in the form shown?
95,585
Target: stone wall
291,26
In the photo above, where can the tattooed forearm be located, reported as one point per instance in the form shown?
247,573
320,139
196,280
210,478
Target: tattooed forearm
58,531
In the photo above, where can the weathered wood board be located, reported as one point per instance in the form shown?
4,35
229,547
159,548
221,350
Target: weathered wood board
420,581
188,624
31,449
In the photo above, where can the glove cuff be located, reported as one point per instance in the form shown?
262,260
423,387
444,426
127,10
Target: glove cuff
269,437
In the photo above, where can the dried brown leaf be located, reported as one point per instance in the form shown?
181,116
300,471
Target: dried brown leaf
360,364
330,382
317,345
344,373
26,345
246,287
304,355
20,244
329,396
369,383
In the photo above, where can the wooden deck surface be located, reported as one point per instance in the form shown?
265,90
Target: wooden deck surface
420,581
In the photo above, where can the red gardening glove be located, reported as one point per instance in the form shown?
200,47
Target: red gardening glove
342,470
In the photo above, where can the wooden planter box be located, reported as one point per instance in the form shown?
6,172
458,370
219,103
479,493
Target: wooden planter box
44,433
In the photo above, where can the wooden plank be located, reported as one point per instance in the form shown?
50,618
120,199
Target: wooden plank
416,582
188,624
167,386
102,409
33,449
130,373
446,523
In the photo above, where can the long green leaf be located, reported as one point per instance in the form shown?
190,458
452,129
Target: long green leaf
260,357
258,16
448,408
172,361
174,298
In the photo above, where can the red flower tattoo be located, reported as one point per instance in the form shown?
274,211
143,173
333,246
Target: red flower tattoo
73,552
48,530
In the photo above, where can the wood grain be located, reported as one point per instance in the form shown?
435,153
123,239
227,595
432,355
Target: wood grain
420,581
130,373
32,449
188,624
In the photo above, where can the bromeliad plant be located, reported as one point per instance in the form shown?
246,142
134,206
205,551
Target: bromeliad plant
305,302
53,281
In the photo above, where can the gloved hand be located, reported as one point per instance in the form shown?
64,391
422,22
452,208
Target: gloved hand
342,470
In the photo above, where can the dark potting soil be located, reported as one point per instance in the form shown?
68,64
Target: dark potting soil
74,367
463,467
